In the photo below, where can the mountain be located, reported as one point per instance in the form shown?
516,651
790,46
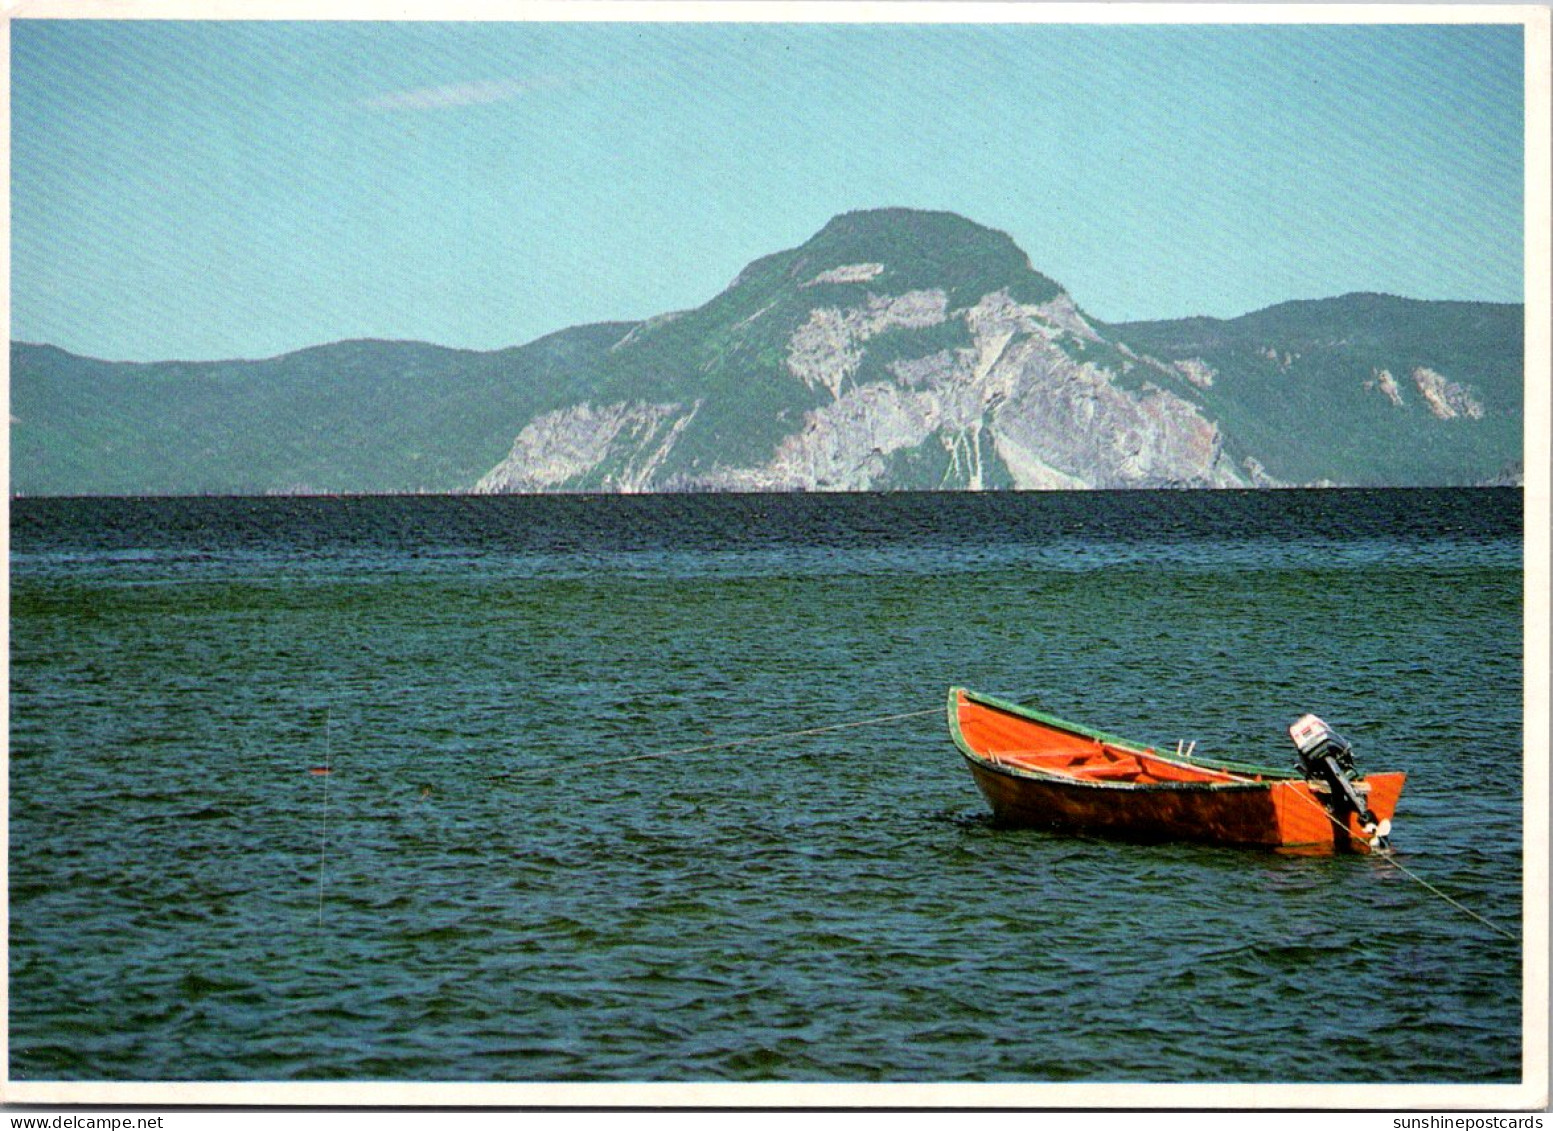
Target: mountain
1365,389
895,349
359,416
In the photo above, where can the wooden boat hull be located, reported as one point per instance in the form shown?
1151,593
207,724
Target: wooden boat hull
1266,808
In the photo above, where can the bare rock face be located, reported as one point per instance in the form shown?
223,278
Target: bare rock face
1445,398
1060,316
848,273
900,350
622,445
1197,371
1070,425
1383,380
1014,396
841,447
1012,409
827,350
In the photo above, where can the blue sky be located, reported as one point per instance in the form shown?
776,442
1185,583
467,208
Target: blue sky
216,190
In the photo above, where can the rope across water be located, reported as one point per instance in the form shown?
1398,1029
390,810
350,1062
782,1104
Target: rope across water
757,739
880,720
1390,859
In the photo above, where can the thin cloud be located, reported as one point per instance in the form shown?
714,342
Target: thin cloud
459,94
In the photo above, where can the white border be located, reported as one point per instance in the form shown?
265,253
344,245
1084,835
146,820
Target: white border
1531,1094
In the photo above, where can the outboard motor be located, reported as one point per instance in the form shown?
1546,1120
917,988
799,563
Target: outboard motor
1326,759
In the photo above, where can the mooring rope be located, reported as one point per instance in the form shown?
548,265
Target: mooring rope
1459,907
1388,857
755,740
1415,877
880,720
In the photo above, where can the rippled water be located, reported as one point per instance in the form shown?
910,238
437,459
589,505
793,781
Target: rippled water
492,883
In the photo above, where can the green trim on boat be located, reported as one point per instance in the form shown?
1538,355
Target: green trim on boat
1082,731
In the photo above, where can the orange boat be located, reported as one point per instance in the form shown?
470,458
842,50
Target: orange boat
1037,771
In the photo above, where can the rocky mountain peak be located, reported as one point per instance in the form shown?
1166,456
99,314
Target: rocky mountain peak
895,349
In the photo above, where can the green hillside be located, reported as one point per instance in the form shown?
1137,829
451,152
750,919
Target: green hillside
356,417
1297,386
1361,389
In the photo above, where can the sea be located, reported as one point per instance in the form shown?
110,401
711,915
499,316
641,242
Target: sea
659,788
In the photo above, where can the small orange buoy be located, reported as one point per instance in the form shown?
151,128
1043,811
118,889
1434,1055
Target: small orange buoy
319,770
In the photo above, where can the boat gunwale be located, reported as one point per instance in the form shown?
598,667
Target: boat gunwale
1271,776
1051,777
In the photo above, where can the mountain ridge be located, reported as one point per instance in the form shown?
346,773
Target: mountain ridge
895,349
